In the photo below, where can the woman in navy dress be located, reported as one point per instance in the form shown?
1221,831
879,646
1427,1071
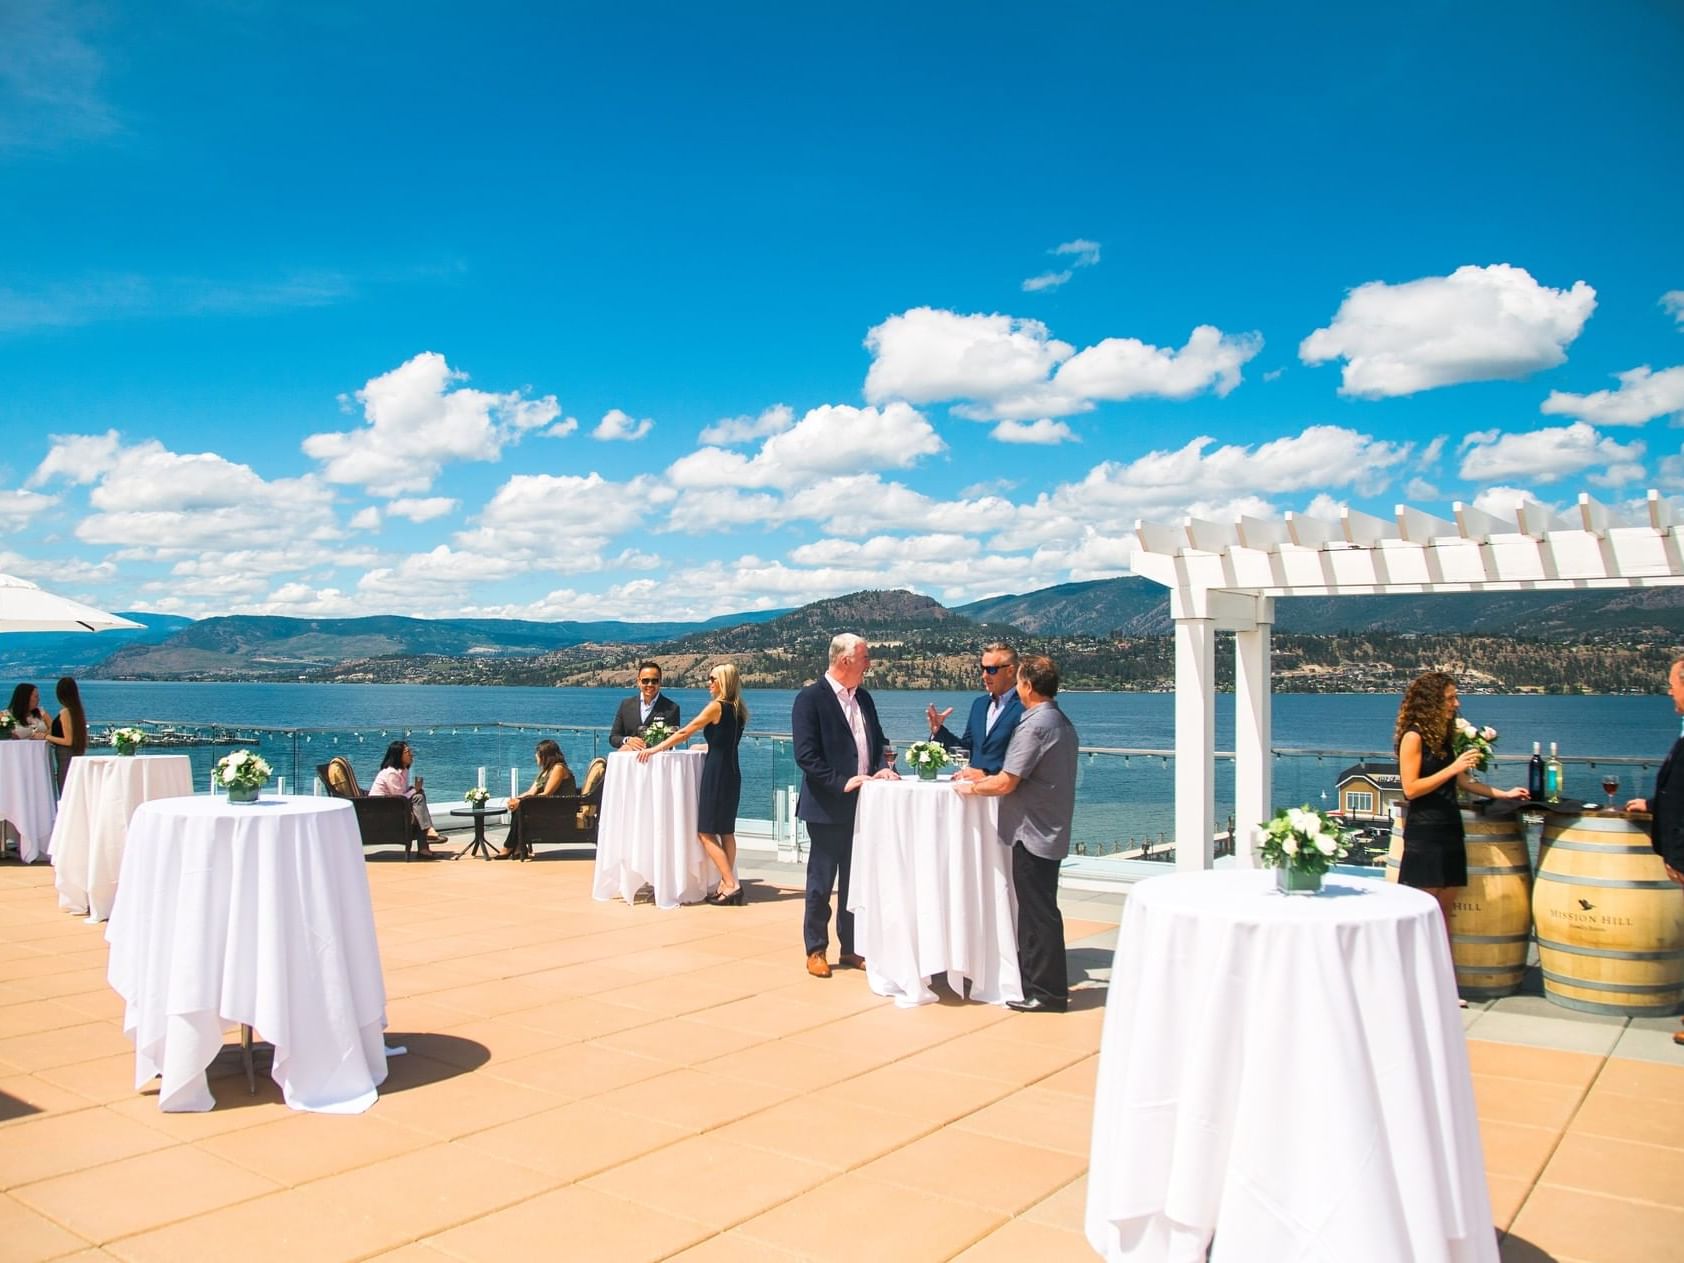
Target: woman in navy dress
1435,854
722,722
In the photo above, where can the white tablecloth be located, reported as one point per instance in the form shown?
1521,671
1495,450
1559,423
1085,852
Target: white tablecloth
931,892
28,794
100,794
1289,1073
646,835
230,913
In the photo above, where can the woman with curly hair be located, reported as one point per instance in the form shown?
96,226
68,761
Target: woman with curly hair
1435,856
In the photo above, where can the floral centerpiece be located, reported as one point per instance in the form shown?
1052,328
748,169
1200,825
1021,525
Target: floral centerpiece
127,740
927,758
1300,845
478,796
655,733
1467,736
7,723
242,774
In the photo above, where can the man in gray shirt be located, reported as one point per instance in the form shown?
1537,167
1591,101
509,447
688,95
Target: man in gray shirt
1038,783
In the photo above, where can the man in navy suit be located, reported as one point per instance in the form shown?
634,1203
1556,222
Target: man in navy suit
637,713
993,717
838,745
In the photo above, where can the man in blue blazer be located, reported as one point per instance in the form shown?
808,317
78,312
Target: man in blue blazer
993,716
839,744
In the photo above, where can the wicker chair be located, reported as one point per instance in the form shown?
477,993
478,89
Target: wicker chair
564,818
381,821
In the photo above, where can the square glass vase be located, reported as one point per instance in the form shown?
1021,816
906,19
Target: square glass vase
1297,881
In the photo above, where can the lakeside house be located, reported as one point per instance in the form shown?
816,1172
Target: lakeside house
1365,793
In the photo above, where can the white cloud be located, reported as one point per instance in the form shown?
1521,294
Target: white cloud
1046,280
561,429
831,439
417,423
19,508
1014,370
1086,252
366,519
728,431
1432,452
421,510
617,426
1672,302
1477,324
1505,502
558,521
1419,489
1546,455
926,355
1046,431
78,459
1642,397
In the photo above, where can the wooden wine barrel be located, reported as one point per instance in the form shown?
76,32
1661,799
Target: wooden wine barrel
1491,920
1610,925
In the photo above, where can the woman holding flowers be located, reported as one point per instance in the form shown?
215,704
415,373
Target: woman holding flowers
1435,856
722,722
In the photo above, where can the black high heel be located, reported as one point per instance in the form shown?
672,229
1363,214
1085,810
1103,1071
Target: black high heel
732,900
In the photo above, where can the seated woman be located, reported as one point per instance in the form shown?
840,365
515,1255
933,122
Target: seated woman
30,723
69,732
554,777
392,781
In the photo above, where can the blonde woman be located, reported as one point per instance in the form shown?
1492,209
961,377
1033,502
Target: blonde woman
722,722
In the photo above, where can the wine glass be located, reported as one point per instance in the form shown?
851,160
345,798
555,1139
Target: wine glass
961,760
888,755
1610,783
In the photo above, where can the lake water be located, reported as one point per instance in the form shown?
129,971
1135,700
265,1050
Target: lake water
454,731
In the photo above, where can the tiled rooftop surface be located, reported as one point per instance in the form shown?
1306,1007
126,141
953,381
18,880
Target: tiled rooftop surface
594,1081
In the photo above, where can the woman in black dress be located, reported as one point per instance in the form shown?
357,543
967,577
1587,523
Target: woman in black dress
69,733
554,777
722,722
1435,855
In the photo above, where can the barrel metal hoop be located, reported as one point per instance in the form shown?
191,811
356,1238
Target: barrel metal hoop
1489,969
1491,938
1606,883
1636,988
1606,953
1601,848
1517,871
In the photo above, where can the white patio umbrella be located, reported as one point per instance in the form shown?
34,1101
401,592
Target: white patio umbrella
26,608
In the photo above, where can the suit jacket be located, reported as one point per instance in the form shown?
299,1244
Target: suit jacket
826,755
1666,830
628,721
985,745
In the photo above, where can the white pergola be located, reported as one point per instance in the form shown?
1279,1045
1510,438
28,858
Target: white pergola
1226,576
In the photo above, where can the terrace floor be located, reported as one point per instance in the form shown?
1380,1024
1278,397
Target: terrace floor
592,1081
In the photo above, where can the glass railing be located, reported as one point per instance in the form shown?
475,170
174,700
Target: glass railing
1125,798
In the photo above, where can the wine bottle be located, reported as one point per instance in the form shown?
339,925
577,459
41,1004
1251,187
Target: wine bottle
1552,776
1535,775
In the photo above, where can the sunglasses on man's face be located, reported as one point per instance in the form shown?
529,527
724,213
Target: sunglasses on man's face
648,680
990,670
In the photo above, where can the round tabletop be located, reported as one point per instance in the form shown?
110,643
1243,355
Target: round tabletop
478,811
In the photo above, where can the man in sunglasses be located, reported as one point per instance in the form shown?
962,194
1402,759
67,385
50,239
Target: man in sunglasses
637,713
993,716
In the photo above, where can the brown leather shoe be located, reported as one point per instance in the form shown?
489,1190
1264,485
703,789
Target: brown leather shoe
1678,1037
851,960
818,966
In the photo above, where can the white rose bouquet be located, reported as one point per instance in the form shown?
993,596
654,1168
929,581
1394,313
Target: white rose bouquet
242,774
655,733
478,796
7,723
927,758
1302,840
127,740
1467,736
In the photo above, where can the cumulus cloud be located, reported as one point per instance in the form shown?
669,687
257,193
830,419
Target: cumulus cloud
561,429
831,439
78,459
1477,324
1046,432
421,510
1548,454
1506,502
19,508
728,431
418,420
1642,396
1672,302
559,521
617,426
1006,369
365,519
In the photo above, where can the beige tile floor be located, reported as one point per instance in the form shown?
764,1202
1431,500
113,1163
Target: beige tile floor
592,1081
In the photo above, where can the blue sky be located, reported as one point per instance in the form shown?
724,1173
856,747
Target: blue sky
331,310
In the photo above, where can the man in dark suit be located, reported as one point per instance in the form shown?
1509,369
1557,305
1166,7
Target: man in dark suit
838,745
637,713
993,716
1666,830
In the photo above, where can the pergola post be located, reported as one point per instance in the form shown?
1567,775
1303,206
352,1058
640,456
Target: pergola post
1253,762
1195,736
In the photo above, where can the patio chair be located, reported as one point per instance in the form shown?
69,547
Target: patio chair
564,818
381,821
